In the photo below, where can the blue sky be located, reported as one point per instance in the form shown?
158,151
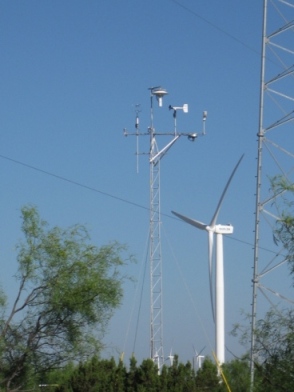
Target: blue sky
71,73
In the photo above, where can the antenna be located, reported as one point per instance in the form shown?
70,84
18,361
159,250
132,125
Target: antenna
204,117
137,126
159,93
155,156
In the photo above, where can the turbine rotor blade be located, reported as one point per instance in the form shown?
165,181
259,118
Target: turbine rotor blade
210,257
214,218
192,222
202,350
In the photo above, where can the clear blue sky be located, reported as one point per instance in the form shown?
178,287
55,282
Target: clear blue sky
71,72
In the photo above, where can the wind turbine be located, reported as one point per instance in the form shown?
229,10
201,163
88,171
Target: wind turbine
197,359
219,230
171,358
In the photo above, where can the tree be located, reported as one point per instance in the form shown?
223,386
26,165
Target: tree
181,377
275,348
68,289
147,376
284,230
164,379
237,374
132,376
207,378
105,375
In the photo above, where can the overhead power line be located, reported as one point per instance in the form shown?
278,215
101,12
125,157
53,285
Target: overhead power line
90,188
216,27
73,182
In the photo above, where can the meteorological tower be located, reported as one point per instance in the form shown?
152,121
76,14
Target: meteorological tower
155,257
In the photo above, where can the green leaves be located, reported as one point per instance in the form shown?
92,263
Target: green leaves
283,199
105,375
275,347
68,289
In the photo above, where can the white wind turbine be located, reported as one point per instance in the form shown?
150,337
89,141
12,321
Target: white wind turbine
198,359
171,358
219,230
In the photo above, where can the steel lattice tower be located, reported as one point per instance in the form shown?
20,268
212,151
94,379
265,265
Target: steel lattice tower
156,332
275,149
155,256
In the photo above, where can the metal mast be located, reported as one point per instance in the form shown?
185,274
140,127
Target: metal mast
275,142
155,256
156,332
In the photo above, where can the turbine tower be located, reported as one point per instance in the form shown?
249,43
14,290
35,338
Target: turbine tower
212,229
275,152
155,257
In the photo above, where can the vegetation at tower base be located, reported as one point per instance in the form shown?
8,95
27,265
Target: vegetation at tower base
275,349
101,375
67,291
237,374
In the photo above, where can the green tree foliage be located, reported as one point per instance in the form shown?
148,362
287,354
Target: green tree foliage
97,375
275,349
207,377
68,289
107,376
147,376
181,377
284,202
131,381
237,374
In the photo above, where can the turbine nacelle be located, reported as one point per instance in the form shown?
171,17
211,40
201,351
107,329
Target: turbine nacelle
221,229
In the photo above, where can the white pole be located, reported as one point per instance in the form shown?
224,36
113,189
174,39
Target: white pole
219,301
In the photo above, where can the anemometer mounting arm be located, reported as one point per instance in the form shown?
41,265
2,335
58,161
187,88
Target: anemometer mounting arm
156,158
